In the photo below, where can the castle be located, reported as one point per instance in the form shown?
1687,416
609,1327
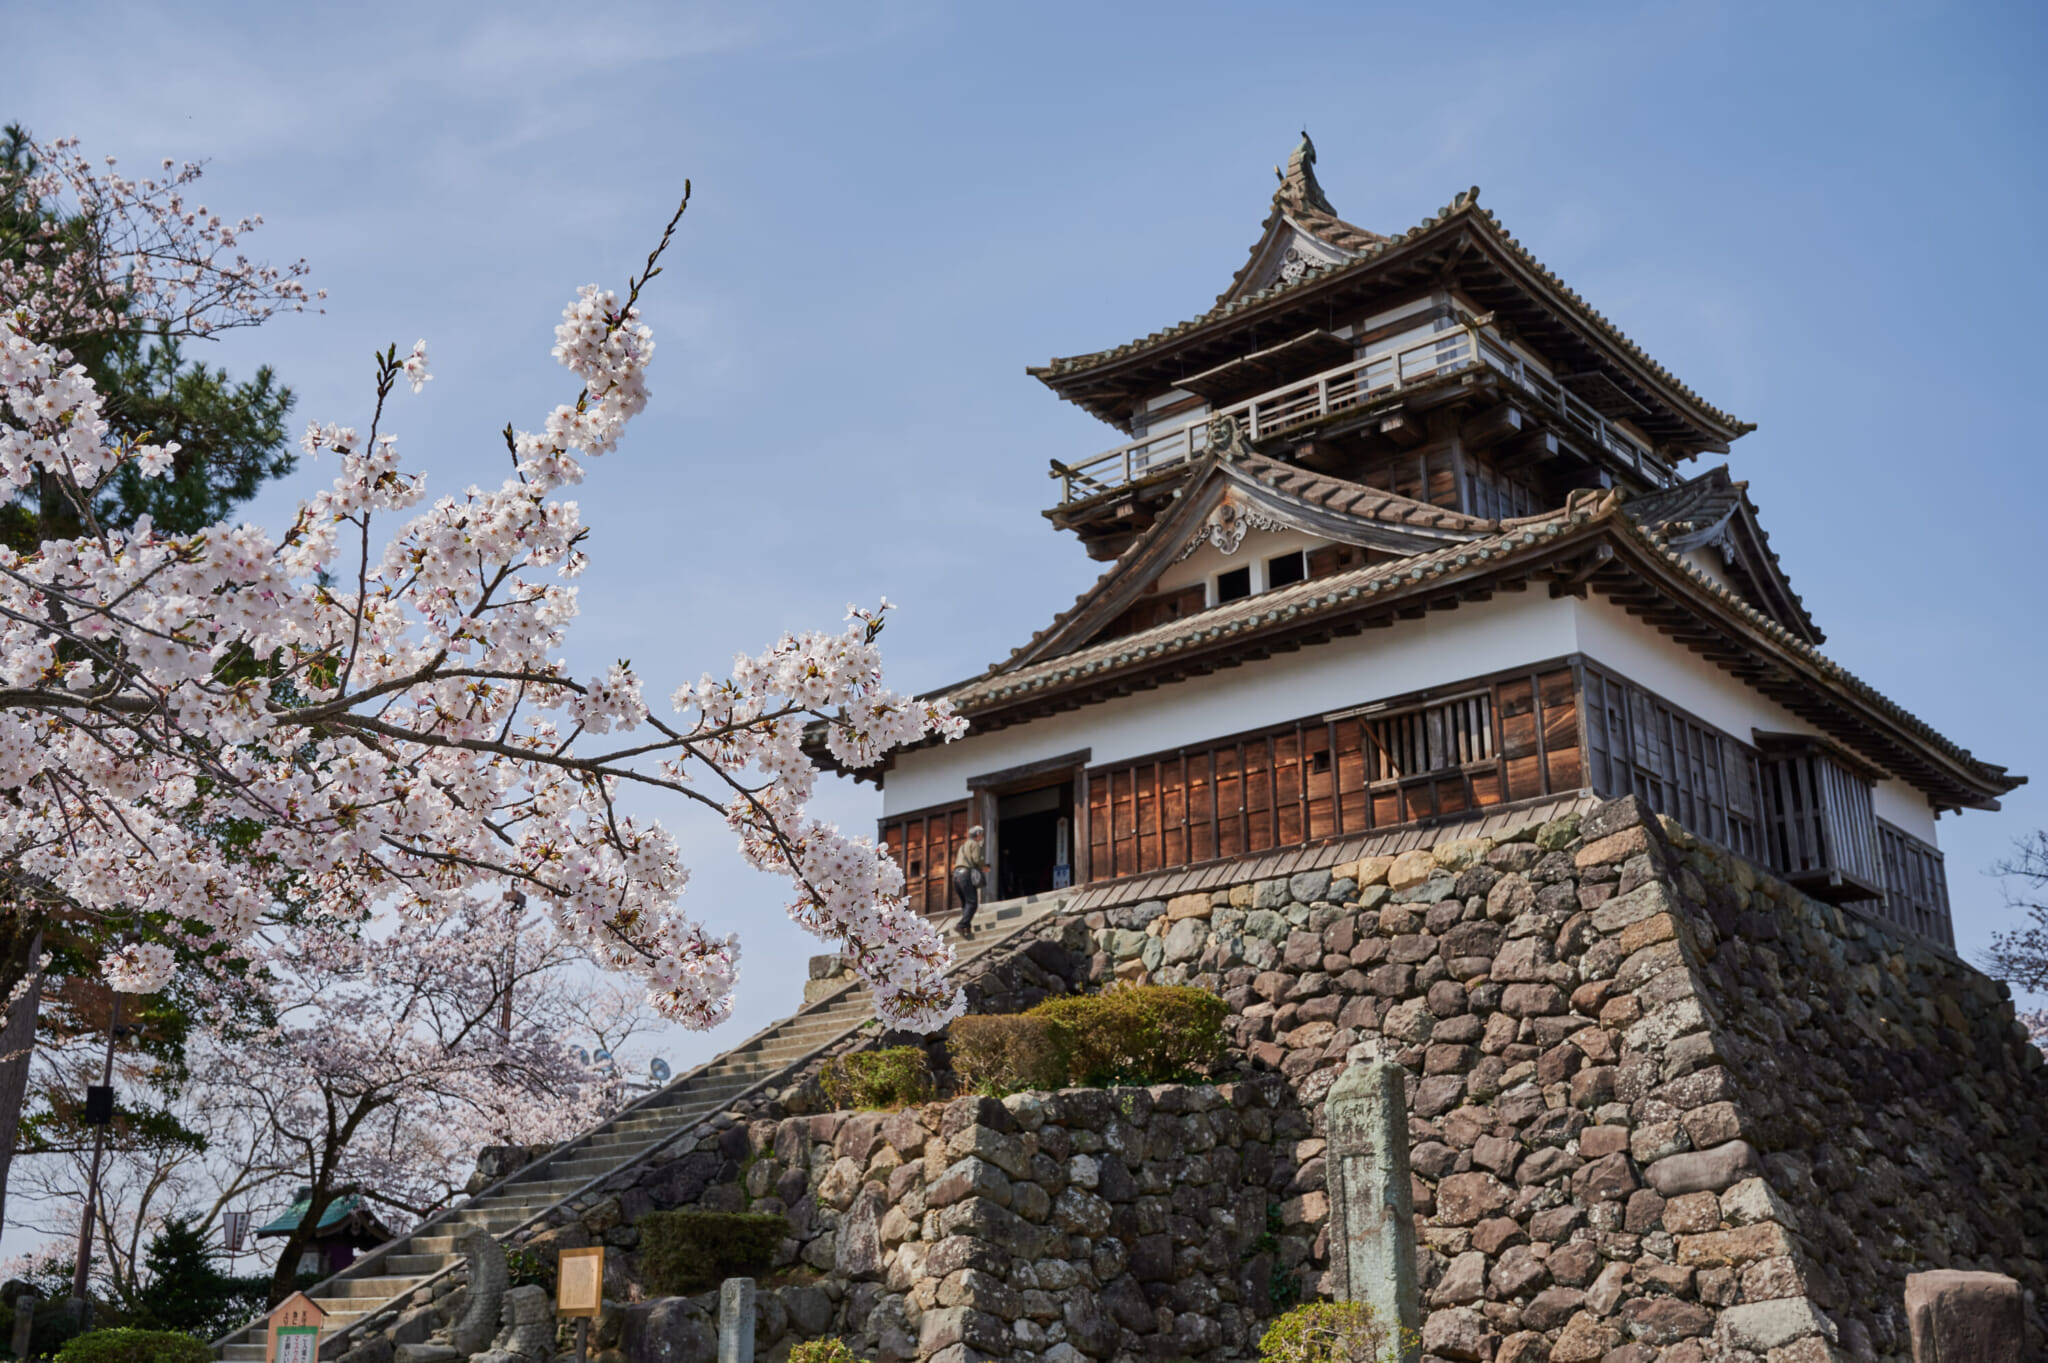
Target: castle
1403,529
1435,712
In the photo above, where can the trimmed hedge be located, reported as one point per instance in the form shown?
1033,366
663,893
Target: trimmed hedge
1332,1332
686,1252
1000,1053
830,1349
1147,1034
889,1078
134,1346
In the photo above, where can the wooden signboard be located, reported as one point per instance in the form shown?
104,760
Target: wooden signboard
579,1282
293,1332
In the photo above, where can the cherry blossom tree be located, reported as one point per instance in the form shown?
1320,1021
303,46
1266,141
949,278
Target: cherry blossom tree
196,728
381,1067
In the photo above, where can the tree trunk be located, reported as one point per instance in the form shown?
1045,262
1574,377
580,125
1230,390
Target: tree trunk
17,1051
284,1279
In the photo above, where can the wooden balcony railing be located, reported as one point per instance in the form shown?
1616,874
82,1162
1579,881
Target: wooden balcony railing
1365,379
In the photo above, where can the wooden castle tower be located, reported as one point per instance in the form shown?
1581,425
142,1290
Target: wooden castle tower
1403,531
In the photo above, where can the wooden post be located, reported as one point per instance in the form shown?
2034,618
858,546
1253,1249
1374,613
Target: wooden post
579,1291
92,1183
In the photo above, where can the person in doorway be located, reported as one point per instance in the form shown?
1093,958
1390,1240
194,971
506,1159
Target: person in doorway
970,873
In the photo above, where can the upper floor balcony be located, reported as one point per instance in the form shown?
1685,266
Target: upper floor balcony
1379,381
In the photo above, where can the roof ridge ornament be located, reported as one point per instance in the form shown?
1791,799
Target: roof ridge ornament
1298,190
1224,439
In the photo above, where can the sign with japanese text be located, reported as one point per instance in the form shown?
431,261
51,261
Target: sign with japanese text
579,1283
293,1331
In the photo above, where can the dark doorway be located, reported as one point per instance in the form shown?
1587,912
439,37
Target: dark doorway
1035,840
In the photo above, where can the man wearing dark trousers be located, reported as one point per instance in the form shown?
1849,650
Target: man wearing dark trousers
970,873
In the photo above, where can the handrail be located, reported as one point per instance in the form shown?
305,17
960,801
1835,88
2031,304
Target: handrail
385,1308
390,1305
1346,386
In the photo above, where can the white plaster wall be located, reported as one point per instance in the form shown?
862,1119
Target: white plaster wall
1610,635
1441,648
1380,319
1476,639
1208,560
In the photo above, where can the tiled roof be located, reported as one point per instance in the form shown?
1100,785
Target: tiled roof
1820,662
1704,502
1465,205
1249,614
1281,609
1301,485
1355,499
1287,861
1301,199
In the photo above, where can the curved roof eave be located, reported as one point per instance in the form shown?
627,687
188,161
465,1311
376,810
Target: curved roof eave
1463,210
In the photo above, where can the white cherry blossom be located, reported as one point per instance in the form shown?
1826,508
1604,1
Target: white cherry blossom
374,708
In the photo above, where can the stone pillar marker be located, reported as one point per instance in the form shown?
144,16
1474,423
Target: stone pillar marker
736,1321
1955,1316
1372,1210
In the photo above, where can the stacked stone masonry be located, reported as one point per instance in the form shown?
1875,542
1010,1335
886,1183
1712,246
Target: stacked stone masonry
1069,1226
1663,1106
1662,1109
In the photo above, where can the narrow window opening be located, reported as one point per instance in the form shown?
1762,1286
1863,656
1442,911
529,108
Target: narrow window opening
1234,585
1285,570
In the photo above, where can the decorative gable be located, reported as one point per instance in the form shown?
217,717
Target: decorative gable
1286,255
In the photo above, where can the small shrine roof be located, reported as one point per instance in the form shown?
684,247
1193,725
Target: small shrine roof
339,1214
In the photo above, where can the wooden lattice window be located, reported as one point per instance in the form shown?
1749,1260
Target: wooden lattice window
1637,743
1822,819
1915,885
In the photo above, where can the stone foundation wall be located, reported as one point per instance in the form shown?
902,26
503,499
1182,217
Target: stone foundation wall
1082,1224
1663,1108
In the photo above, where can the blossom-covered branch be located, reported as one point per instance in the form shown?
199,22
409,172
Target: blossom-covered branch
107,251
193,727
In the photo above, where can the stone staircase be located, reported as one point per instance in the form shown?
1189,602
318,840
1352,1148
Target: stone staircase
388,1273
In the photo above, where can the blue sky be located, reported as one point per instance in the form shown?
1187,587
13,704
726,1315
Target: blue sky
1823,218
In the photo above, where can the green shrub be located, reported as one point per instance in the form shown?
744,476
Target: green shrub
1151,1034
134,1346
1001,1053
868,1079
827,1350
685,1252
526,1266
1333,1332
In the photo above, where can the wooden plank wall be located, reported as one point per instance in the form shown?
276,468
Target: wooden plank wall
923,844
1507,738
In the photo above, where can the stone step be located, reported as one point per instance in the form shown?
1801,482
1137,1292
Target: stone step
539,1192
424,1263
379,1287
611,1146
